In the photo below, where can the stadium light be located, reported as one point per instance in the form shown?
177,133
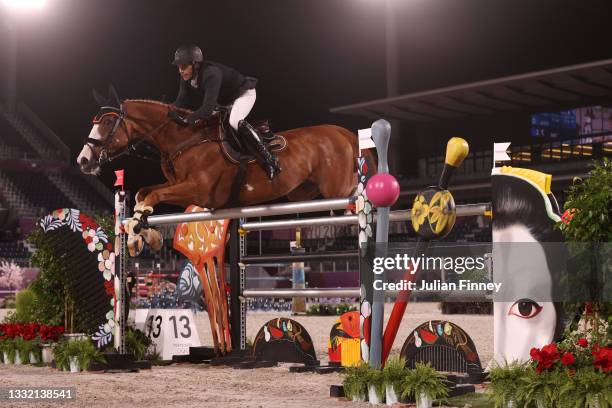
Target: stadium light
25,4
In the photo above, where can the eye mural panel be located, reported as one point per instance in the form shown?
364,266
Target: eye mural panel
525,212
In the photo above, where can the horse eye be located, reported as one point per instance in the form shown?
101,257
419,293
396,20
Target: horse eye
525,309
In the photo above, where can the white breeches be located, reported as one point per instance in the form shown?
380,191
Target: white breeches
241,107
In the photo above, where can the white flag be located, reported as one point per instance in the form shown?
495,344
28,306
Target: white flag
365,139
499,152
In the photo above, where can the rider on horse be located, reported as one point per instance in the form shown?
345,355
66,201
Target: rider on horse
205,84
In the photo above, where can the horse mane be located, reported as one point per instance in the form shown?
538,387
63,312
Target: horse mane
151,101
158,103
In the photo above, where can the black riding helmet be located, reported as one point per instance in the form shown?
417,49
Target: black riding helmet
188,54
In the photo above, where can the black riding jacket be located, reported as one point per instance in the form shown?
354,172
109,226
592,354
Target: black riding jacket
217,84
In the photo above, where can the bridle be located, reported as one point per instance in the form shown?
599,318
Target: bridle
104,156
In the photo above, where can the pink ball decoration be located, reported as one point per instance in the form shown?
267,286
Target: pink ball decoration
383,190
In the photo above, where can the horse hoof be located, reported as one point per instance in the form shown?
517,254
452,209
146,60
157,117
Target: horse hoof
135,245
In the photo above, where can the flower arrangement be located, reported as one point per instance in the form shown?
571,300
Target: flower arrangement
24,340
572,373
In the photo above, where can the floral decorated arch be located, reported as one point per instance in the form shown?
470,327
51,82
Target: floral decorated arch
89,261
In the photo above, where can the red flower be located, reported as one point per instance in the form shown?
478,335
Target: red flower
110,247
110,288
545,357
602,358
583,342
364,168
568,359
568,215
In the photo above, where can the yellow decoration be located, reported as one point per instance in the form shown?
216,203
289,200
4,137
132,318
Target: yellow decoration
540,179
457,149
351,352
242,232
439,213
419,212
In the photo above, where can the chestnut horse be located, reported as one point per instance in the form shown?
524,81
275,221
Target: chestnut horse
318,160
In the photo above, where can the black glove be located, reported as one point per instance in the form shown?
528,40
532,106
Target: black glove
176,117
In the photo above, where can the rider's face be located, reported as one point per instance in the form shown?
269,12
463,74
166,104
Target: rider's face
186,71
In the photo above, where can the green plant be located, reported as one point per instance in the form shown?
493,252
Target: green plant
587,388
25,305
321,309
588,219
589,205
505,383
540,387
25,347
137,343
60,356
424,379
395,372
8,346
376,379
355,381
83,350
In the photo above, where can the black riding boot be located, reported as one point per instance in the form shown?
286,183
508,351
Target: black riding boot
258,149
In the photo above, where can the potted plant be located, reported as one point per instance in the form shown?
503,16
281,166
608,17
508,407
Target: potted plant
394,373
505,383
425,384
28,350
355,382
137,343
540,389
7,348
81,353
21,357
376,386
75,355
587,388
60,356
49,335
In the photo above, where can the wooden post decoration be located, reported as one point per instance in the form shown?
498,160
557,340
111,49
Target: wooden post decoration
433,216
382,190
363,208
122,297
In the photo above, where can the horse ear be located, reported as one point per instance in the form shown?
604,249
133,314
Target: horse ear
112,94
100,100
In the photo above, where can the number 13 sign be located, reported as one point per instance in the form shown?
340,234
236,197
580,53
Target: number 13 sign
173,331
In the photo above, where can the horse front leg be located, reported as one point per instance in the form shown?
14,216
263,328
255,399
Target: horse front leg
138,228
145,191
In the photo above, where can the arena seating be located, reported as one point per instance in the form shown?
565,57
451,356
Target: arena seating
87,192
13,250
39,190
12,145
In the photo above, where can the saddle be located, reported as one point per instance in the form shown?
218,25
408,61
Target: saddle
232,148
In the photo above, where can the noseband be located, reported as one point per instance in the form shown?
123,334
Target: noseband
104,143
